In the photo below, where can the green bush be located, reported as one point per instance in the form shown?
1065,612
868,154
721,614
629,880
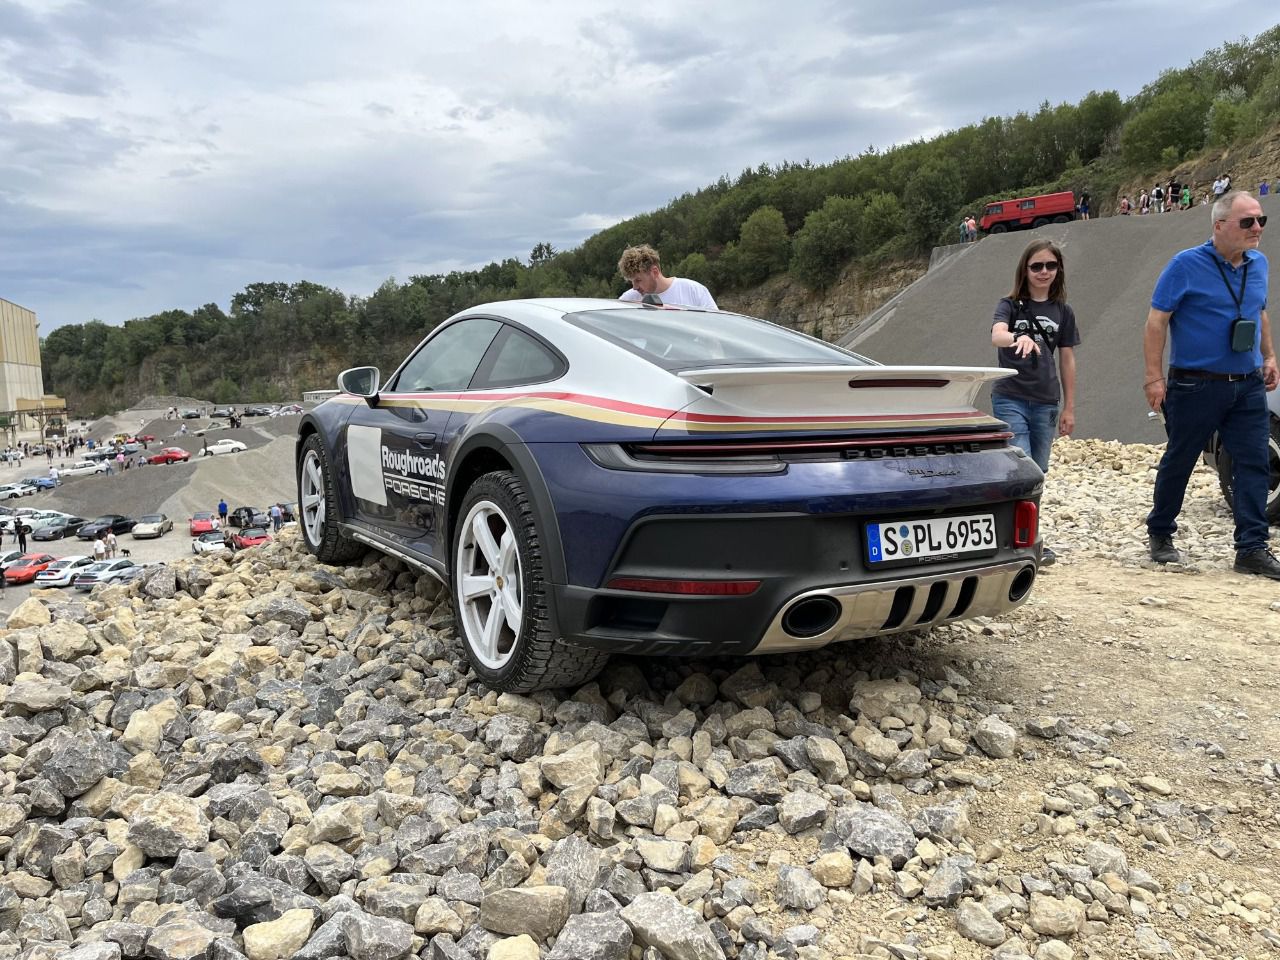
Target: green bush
826,242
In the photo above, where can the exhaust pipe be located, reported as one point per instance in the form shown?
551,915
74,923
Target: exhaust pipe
811,617
1021,585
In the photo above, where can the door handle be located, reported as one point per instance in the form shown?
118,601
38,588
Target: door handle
425,439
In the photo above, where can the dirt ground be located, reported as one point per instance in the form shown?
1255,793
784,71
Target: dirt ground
1181,672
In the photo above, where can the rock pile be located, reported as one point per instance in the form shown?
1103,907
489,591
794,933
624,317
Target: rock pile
267,758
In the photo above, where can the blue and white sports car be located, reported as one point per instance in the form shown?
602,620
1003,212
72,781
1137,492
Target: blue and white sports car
594,477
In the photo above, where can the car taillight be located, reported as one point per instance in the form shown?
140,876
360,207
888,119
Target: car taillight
690,588
1026,523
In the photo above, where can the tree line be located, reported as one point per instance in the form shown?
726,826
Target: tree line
803,219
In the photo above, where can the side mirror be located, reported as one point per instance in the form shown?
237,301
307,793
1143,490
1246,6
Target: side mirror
360,381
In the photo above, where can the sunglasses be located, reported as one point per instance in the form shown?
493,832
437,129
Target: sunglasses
1246,223
1042,266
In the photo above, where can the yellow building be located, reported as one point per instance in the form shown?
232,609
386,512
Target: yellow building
21,380
20,374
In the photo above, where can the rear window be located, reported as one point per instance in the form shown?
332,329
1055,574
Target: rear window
681,339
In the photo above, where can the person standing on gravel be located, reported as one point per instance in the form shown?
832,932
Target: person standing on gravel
1211,304
99,548
1032,323
222,511
111,544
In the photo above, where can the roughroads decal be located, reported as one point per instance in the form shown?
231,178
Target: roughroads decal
413,476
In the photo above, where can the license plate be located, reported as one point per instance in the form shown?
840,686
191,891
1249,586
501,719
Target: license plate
934,537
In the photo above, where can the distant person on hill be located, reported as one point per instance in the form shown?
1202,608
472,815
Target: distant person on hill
970,228
1157,198
642,268
964,229
1264,188
1084,204
1125,206
1211,303
1144,202
1032,323
1186,196
1219,186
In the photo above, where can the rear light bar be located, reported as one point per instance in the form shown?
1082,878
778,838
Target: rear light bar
688,588
1026,523
807,446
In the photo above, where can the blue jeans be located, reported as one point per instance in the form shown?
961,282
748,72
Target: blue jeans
1034,425
1193,410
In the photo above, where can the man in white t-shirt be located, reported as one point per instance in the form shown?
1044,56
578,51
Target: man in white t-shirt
642,268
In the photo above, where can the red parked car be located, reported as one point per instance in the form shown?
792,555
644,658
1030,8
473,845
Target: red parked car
250,537
145,438
202,522
24,570
169,455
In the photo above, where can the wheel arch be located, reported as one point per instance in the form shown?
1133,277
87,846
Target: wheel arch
499,448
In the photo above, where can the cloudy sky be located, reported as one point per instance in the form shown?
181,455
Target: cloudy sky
158,154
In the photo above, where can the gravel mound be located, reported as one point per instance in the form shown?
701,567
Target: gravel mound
268,757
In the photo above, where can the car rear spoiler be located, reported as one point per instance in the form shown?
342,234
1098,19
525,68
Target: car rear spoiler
834,391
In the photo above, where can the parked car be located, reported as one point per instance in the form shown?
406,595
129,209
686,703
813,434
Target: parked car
190,414
10,556
222,412
611,476
11,491
145,438
1216,456
250,537
99,454
211,428
151,526
41,483
100,571
26,514
259,410
170,455
24,570
288,410
14,455
56,528
61,572
248,517
202,522
115,522
83,468
211,542
225,445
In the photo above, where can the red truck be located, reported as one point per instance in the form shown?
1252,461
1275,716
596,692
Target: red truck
1025,212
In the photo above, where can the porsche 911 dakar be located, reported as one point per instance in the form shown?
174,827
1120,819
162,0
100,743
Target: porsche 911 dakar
593,477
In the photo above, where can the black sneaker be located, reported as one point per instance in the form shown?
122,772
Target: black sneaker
1047,557
1259,562
1163,550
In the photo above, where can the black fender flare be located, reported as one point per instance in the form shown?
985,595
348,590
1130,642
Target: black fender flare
504,441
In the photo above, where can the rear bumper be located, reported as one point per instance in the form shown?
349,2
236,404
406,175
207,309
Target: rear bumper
816,587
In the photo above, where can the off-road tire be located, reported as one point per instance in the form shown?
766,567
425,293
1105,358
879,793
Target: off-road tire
998,228
332,546
1273,488
539,659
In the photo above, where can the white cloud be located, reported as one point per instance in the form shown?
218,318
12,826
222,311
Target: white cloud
155,155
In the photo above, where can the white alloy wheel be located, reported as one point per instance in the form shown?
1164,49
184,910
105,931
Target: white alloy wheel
311,488
490,584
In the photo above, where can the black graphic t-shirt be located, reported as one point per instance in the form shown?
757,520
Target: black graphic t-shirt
1037,378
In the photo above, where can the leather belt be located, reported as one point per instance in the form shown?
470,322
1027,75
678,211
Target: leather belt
1205,374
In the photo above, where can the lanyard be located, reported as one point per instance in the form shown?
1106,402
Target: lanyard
1238,299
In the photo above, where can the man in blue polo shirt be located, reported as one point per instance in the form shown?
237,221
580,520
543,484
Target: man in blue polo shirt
1212,301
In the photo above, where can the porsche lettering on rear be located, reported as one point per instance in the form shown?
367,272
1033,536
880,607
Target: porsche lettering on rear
592,476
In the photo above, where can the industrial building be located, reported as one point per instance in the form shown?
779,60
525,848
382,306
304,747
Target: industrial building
23,403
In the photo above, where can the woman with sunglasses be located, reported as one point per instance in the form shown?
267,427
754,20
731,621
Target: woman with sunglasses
1031,325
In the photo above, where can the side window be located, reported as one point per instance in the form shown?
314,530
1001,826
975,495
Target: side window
1028,204
449,359
517,358
995,209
